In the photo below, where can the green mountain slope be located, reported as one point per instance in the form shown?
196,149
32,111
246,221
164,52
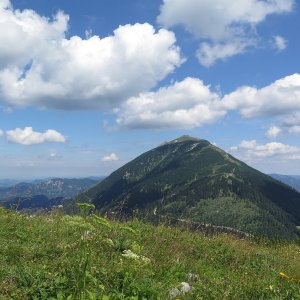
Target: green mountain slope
193,179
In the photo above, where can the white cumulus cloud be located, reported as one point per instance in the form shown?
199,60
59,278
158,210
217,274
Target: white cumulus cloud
27,136
186,104
291,122
209,53
294,129
220,24
1,132
273,132
280,43
111,157
252,148
40,65
277,99
190,103
280,101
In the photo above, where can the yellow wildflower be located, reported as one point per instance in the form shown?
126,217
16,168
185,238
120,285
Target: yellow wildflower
271,288
283,275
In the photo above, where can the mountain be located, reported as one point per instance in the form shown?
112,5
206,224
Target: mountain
43,193
51,188
192,179
97,178
32,203
291,180
4,183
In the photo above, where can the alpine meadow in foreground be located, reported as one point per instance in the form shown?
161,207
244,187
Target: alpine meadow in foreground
54,256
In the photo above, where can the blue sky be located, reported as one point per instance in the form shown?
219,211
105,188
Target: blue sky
86,87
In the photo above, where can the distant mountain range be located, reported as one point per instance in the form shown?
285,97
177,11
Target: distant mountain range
192,179
291,180
33,203
4,183
43,193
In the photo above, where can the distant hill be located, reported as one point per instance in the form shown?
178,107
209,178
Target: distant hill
192,179
96,178
52,188
43,193
4,183
33,203
291,180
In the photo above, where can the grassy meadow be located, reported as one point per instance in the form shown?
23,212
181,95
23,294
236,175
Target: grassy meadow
54,256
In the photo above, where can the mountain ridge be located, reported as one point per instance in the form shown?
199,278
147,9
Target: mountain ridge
43,193
52,187
291,180
192,179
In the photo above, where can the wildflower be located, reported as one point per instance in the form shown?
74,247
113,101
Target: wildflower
144,259
185,287
193,277
174,292
131,255
271,287
86,235
283,275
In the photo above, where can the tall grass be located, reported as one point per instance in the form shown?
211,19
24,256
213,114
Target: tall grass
88,257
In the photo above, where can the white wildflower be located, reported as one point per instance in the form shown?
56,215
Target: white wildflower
144,259
185,287
86,235
174,292
131,255
193,277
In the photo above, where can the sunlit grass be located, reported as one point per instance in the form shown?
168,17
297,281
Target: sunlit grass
88,257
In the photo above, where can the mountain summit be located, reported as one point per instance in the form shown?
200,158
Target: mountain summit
192,179
184,138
